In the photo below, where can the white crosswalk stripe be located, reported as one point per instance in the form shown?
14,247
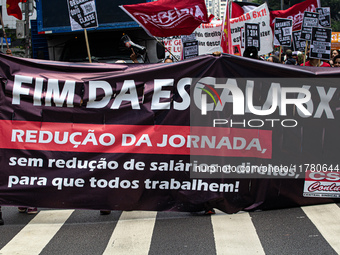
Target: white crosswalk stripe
232,231
327,220
134,230
133,233
37,233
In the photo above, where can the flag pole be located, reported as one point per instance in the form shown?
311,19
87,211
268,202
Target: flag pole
280,54
304,57
226,43
166,48
87,45
3,29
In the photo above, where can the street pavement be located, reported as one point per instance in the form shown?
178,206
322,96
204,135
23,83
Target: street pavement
302,230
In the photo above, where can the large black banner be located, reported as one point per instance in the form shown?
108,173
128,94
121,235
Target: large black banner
228,132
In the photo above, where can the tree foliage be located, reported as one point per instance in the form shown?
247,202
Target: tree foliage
334,6
272,4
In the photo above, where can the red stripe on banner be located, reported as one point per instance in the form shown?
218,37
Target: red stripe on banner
157,139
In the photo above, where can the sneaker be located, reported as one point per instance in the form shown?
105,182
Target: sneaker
32,210
22,209
209,212
105,212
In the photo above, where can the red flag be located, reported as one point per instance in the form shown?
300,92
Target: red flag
295,13
239,8
226,33
14,9
236,10
166,18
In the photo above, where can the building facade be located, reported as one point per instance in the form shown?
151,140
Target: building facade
217,7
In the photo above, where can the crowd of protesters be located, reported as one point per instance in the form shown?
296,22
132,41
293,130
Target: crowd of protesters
297,58
294,58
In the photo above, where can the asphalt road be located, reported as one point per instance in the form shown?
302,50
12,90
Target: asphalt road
305,230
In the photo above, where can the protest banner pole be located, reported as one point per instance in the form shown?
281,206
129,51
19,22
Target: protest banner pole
166,48
3,29
280,53
87,45
304,56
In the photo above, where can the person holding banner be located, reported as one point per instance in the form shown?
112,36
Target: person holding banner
9,52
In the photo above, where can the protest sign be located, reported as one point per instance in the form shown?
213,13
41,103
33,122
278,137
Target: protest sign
324,16
190,49
252,35
259,15
283,32
298,43
207,35
295,13
310,19
83,14
190,46
174,44
321,43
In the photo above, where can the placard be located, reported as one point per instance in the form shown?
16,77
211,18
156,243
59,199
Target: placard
190,49
310,19
283,32
252,35
321,43
190,46
259,15
82,14
207,35
188,38
324,16
298,43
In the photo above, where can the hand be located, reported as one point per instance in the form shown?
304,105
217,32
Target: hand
9,52
216,53
133,56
